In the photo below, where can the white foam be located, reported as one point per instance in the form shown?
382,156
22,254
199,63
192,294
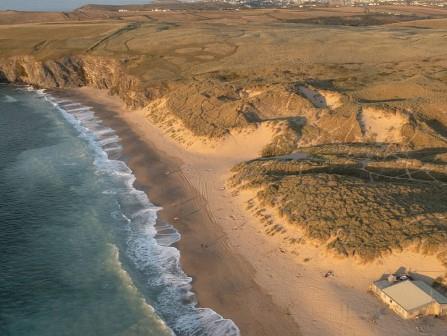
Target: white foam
8,99
79,109
113,150
104,132
129,284
149,246
64,105
110,140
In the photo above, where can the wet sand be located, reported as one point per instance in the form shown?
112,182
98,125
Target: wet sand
267,285
222,279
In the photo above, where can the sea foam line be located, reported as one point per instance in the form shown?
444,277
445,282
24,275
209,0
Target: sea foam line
150,250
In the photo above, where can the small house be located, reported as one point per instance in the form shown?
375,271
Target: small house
410,298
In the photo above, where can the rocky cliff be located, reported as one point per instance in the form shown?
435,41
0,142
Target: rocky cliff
77,71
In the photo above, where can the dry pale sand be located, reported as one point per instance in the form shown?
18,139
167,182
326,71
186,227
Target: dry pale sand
382,125
293,276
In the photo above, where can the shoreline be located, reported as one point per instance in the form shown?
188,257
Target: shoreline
222,279
264,285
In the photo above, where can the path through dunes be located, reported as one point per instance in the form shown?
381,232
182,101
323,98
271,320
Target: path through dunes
316,140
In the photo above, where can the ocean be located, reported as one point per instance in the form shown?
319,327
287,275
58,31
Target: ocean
81,252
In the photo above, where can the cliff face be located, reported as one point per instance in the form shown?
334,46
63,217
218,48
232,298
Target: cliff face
77,71
205,115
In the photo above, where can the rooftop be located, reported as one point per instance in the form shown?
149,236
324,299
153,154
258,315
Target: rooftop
441,299
411,295
408,295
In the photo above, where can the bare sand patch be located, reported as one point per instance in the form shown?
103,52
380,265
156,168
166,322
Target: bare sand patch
383,125
333,99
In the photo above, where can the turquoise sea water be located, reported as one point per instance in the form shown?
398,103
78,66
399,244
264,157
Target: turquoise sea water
80,252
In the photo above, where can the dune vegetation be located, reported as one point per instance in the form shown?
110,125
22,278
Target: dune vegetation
361,203
363,95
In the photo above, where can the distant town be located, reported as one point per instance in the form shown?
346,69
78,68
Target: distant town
316,3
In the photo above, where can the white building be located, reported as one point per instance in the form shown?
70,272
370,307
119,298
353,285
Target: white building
410,299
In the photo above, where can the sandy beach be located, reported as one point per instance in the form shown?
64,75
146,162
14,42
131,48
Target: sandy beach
222,279
264,284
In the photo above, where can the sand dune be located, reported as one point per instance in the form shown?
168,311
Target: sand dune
383,125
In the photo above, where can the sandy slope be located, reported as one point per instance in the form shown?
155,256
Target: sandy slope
293,276
383,126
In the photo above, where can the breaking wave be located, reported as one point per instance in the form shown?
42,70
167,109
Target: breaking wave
148,244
